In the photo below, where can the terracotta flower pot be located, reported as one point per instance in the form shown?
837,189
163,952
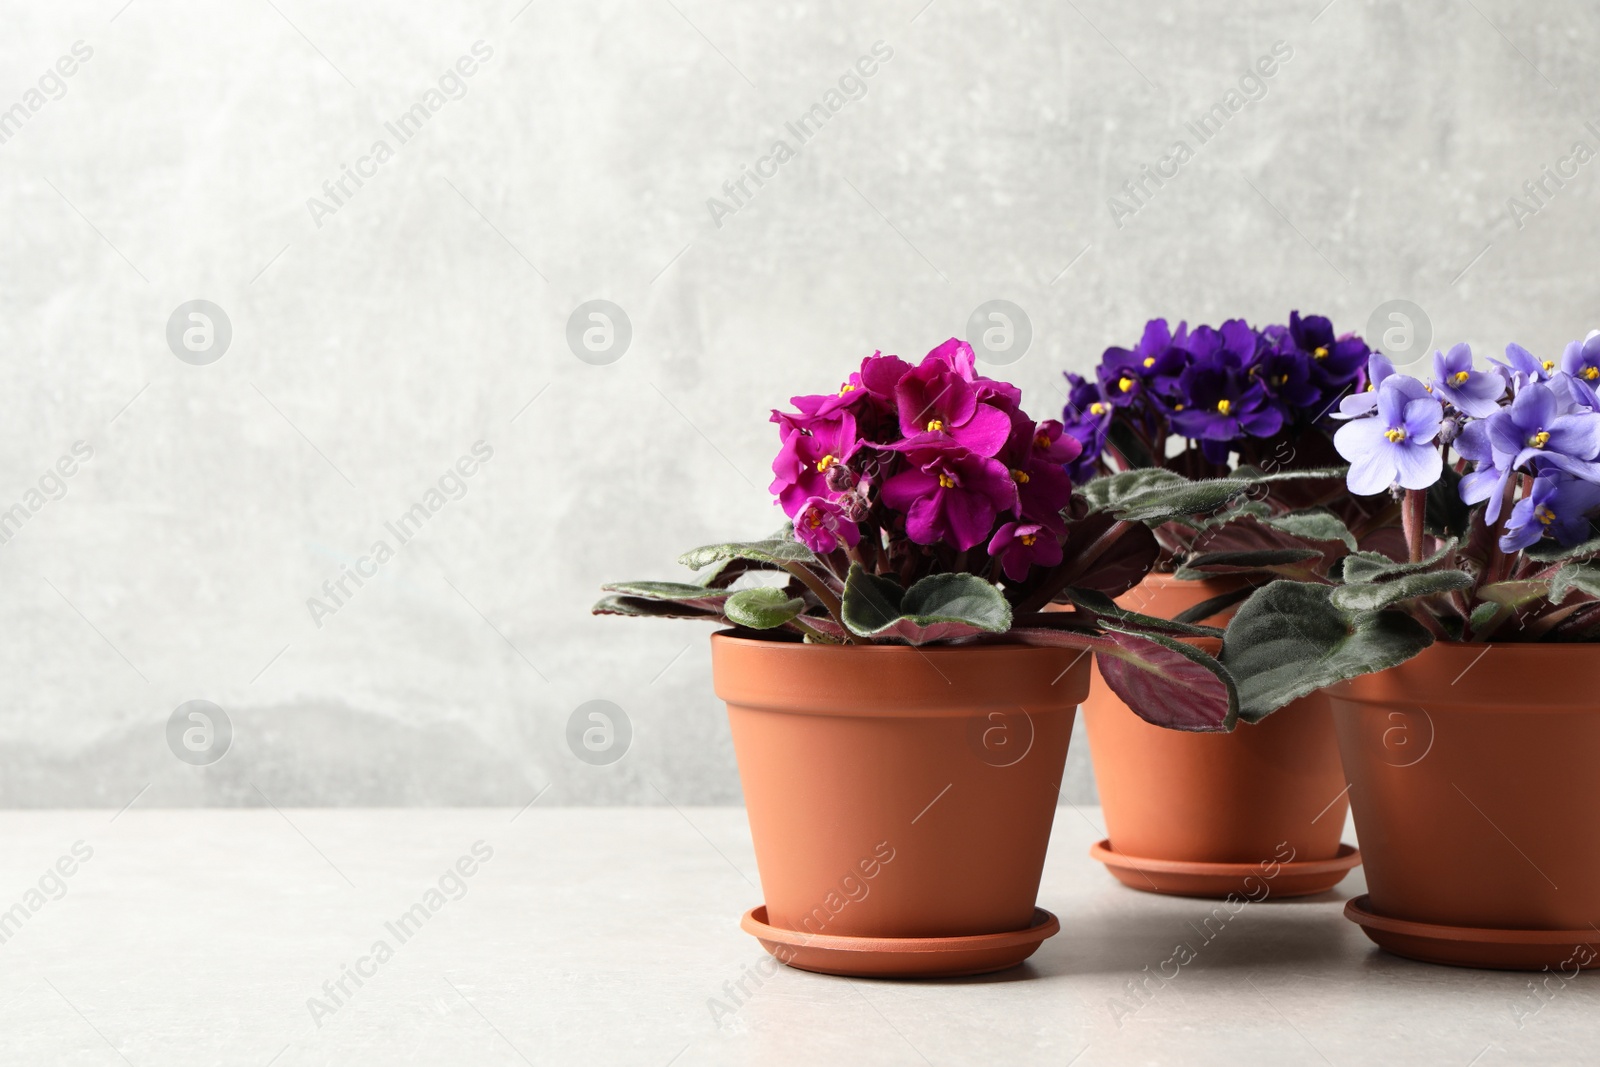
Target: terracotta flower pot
1212,814
899,793
1468,767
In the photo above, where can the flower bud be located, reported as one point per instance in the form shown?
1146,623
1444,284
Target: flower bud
853,507
840,478
1449,430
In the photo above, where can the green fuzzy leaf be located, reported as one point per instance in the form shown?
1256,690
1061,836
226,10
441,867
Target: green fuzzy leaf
1313,524
1375,596
940,607
685,593
654,609
771,551
1515,595
762,609
1099,607
1375,566
1289,639
1548,551
1260,559
1482,614
1111,489
1167,501
1582,578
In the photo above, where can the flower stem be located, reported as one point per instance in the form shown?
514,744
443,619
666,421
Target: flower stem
824,594
1412,515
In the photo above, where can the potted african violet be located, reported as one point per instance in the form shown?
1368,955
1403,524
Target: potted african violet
900,702
1245,414
1461,678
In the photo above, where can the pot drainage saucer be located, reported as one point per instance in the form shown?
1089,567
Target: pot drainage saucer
1193,878
1466,946
900,957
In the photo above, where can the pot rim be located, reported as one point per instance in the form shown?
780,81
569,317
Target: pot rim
1523,684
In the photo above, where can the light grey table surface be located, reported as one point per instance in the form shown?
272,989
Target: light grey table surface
610,935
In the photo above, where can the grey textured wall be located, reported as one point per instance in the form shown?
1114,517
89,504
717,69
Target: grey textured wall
378,335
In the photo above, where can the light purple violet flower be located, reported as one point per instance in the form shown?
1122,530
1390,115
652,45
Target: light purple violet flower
1475,392
1559,505
1523,366
1396,445
1582,359
1533,429
1356,405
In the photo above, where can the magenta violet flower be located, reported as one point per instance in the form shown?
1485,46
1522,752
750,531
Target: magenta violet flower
949,494
811,445
1397,444
1018,546
821,526
938,406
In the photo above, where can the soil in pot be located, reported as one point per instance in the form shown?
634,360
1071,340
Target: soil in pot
1207,814
897,792
1467,767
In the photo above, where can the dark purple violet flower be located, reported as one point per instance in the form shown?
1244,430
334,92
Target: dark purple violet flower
1335,361
950,495
1150,369
1559,506
1474,392
1223,403
1397,444
1087,420
1019,546
822,526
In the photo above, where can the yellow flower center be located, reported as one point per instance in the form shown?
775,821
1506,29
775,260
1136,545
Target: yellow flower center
846,388
1395,435
1540,439
1177,407
827,461
1280,379
934,425
1041,440
1544,515
1589,373
1028,539
1321,352
1149,361
1125,383
1549,365
813,518
1460,377
1020,477
1097,408
946,482
1224,406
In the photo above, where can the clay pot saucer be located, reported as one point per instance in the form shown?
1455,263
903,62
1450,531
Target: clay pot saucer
1190,878
900,957
1464,946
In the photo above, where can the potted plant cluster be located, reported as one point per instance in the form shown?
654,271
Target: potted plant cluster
900,701
1222,439
1459,676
